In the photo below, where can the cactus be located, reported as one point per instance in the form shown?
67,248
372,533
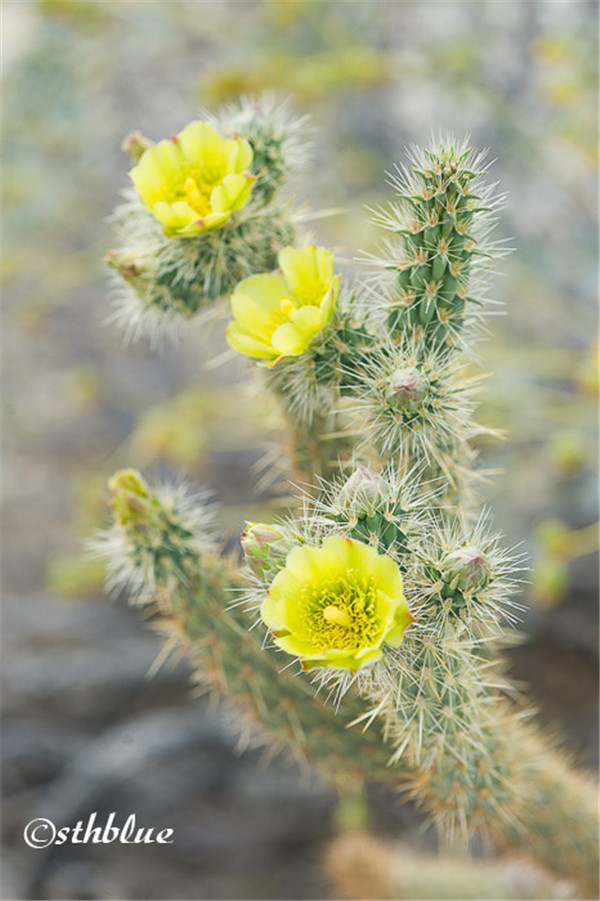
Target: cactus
384,582
362,866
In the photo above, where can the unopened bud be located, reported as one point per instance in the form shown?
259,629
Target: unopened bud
467,568
406,389
131,499
136,144
364,492
130,264
256,539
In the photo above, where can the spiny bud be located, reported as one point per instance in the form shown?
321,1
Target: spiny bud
466,568
131,499
256,539
136,144
130,264
363,493
406,389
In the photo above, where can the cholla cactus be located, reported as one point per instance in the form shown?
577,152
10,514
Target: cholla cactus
385,584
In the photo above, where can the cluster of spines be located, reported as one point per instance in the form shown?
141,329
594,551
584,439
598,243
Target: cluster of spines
410,406
442,218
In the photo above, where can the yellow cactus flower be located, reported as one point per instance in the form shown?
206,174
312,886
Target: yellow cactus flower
193,182
335,605
279,314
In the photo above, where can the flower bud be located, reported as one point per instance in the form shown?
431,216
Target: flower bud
466,568
255,541
130,264
131,498
363,492
406,389
136,144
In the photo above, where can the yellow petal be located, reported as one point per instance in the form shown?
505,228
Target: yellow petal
246,344
335,554
233,193
285,597
269,612
308,321
329,302
201,143
388,577
305,563
324,264
298,267
184,212
342,659
174,216
254,303
239,154
368,655
160,165
287,339
212,221
291,644
263,292
402,620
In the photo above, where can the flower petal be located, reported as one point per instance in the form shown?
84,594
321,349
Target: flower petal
233,193
304,563
159,169
269,612
402,620
239,154
302,273
246,344
297,265
342,659
174,216
389,578
308,321
329,302
200,143
255,300
291,644
289,340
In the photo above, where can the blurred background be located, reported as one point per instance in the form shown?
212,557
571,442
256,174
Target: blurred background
85,729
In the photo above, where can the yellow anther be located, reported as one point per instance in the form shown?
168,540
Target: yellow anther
335,615
194,196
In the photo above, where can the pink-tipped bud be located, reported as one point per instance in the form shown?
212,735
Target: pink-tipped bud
256,541
467,568
364,492
136,144
406,389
